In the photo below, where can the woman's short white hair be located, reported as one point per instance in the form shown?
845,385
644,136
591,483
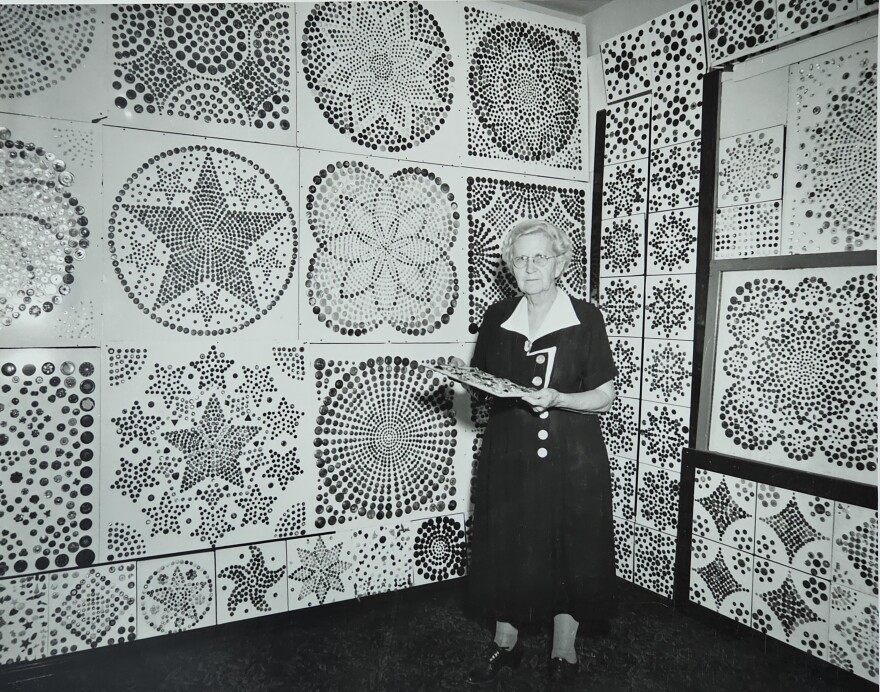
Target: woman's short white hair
559,241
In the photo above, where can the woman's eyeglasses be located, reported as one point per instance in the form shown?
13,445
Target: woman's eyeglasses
538,260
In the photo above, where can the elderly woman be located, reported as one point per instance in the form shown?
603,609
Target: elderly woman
543,538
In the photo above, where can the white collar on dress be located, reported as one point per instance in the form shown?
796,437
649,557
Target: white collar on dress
560,316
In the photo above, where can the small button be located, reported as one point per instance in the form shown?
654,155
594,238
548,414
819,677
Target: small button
527,346
537,381
544,415
543,434
542,452
541,360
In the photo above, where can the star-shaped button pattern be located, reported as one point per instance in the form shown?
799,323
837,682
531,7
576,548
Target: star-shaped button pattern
212,448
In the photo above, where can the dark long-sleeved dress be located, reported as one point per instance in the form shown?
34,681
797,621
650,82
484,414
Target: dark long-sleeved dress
543,535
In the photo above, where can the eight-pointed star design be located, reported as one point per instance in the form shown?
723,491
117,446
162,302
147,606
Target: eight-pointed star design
321,570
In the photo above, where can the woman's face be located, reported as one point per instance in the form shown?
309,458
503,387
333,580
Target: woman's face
531,278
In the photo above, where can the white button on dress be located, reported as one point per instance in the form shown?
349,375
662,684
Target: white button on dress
537,381
543,434
542,452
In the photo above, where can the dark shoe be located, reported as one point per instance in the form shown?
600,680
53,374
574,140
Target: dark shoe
486,673
561,670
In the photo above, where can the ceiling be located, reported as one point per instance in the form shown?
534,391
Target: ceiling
577,8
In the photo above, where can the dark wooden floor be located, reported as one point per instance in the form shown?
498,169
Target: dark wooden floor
421,639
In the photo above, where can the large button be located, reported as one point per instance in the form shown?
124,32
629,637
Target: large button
542,452
541,360
537,381
543,434
544,415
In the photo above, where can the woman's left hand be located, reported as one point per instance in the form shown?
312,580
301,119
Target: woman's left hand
543,399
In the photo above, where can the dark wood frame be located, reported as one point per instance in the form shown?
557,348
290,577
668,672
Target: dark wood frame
831,488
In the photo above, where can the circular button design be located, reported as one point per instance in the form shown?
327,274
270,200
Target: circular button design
543,434
537,381
541,360
544,415
542,452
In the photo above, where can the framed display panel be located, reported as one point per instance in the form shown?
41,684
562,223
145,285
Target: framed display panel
657,499
793,348
624,548
830,190
625,189
627,354
204,446
392,438
383,250
318,570
527,107
622,301
620,428
382,79
663,434
50,437
51,235
349,564
669,306
672,241
746,532
439,549
750,167
653,560
176,594
92,607
678,46
251,581
622,246
53,59
623,487
495,203
214,70
24,620
734,31
627,130
202,237
674,182
749,230
626,64
667,371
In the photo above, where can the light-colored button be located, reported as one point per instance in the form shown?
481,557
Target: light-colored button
537,381
542,452
544,415
543,434
527,346
541,360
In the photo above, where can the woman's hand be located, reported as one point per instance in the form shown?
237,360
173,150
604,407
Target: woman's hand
543,399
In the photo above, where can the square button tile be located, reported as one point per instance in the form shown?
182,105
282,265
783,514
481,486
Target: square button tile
852,638
724,509
854,554
721,579
791,606
794,529
251,581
